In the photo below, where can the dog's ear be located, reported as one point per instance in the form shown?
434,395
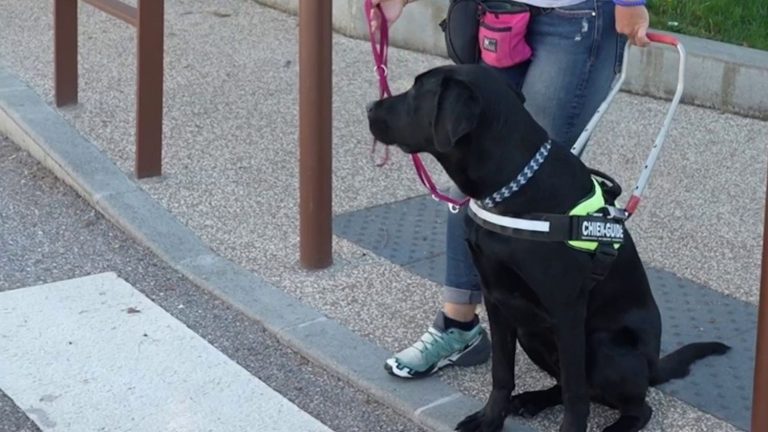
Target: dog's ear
457,111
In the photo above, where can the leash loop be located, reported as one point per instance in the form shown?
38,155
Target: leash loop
381,70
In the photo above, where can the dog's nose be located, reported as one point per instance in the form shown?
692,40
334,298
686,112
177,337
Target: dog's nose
369,106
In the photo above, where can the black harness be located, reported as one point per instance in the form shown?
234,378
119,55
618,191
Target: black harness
605,227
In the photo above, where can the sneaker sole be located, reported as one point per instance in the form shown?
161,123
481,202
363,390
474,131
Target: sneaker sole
475,353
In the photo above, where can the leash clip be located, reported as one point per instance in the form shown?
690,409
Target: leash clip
453,208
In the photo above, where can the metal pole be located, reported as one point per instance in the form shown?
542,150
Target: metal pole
149,88
315,133
760,389
65,51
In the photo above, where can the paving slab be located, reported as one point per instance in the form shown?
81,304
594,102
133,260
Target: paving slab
93,353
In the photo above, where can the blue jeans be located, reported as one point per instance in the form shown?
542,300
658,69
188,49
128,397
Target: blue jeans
576,55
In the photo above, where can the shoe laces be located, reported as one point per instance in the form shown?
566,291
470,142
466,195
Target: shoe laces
433,338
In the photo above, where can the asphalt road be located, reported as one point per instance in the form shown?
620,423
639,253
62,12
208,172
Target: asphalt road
48,233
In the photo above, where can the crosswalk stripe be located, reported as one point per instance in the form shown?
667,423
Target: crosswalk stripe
95,354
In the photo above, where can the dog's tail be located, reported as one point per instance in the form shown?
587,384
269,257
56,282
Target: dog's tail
677,363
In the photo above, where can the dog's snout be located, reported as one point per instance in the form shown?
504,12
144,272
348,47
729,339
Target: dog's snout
369,106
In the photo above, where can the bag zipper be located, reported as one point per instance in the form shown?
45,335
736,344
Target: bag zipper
495,28
517,9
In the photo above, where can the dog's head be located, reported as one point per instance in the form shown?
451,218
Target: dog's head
444,106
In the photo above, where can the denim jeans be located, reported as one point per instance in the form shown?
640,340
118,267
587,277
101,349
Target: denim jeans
576,55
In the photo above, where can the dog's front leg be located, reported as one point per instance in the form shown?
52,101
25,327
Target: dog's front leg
503,346
571,340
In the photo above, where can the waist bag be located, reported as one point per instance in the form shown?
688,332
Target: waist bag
501,36
489,30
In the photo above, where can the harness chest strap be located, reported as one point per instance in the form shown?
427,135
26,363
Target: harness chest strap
587,226
591,226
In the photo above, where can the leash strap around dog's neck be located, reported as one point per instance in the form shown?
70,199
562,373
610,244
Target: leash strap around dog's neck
380,52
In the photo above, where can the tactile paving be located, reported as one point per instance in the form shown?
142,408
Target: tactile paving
411,233
404,231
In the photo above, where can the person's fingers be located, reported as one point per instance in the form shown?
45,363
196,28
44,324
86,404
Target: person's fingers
641,38
374,19
637,36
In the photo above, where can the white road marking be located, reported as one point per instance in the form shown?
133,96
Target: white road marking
94,354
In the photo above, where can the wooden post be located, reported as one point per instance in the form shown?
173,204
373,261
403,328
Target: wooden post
149,88
315,230
149,19
65,52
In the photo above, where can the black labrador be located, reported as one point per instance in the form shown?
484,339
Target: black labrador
600,344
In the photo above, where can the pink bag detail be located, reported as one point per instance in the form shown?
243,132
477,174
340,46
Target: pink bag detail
502,38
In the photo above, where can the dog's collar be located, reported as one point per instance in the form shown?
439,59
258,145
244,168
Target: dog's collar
588,225
521,178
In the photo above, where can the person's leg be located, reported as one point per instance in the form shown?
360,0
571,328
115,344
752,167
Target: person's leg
455,336
461,293
577,54
462,312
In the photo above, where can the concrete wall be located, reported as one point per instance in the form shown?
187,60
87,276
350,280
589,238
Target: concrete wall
720,76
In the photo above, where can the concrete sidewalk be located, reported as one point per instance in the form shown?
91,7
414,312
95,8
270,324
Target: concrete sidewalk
231,178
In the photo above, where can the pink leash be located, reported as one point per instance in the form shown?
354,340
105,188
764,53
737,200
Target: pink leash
380,59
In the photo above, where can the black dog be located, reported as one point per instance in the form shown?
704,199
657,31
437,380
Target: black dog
600,344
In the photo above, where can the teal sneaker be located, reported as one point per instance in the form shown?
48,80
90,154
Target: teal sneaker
438,348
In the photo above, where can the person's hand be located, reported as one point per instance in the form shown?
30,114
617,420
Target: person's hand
633,21
391,9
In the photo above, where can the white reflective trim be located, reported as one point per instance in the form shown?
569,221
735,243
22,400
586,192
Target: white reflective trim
509,222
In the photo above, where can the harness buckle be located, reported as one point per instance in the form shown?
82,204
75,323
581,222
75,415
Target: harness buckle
612,212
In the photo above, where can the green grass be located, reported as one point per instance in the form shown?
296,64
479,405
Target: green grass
739,22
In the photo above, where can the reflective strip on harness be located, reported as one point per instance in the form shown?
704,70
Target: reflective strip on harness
509,222
582,228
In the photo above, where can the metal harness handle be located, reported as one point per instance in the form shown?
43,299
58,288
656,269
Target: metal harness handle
645,174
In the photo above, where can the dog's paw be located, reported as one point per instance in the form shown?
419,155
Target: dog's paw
471,423
479,422
529,404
